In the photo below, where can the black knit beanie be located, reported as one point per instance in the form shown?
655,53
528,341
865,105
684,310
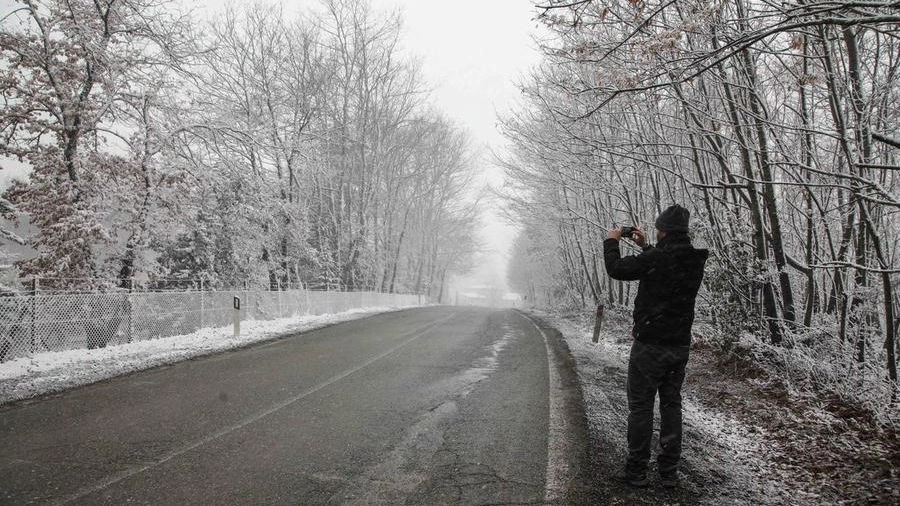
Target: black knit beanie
673,219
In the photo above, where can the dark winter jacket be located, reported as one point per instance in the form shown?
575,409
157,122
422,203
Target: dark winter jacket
670,275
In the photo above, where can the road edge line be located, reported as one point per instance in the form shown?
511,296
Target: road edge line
559,447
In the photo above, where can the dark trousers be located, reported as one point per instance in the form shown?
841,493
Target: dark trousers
651,369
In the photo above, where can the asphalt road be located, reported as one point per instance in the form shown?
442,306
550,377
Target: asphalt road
438,405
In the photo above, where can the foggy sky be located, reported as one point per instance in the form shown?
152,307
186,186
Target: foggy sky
473,52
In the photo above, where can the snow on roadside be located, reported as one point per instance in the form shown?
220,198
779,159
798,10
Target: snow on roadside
50,372
730,456
725,461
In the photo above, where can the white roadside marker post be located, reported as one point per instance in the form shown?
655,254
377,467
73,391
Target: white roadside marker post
237,317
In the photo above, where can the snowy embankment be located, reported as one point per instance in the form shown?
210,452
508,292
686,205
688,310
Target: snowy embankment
725,461
746,440
50,372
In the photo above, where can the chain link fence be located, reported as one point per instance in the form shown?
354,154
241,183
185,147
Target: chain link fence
32,324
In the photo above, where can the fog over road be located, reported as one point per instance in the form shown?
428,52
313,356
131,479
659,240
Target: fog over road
438,405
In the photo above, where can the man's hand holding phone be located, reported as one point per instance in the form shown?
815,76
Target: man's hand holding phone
633,233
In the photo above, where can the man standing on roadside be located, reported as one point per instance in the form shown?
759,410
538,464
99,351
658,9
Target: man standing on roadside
670,275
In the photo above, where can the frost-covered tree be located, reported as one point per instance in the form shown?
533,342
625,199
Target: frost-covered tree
535,270
774,123
318,159
288,151
68,68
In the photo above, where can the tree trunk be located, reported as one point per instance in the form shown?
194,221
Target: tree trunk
769,198
770,306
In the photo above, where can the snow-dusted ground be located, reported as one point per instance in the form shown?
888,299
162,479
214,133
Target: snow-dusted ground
725,461
50,372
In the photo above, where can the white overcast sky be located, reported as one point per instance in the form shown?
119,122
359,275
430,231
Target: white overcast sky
473,52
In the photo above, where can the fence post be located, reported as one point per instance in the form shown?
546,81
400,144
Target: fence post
202,305
301,296
35,286
278,293
248,302
129,303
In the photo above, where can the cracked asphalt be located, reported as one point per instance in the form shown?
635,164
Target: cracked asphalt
431,406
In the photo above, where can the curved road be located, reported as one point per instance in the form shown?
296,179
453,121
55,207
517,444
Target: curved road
439,405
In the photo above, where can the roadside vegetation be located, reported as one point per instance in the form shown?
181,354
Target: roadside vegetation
750,438
255,149
777,126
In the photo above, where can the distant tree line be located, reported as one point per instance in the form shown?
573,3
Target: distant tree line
775,123
255,148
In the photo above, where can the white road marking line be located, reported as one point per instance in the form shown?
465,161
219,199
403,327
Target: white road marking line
558,445
111,480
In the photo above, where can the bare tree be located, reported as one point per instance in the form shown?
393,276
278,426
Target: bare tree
772,121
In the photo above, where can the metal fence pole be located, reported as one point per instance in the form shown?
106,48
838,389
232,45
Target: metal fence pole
250,303
278,293
202,305
35,286
129,303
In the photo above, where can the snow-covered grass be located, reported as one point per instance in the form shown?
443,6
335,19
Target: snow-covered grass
725,461
49,372
757,429
818,364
